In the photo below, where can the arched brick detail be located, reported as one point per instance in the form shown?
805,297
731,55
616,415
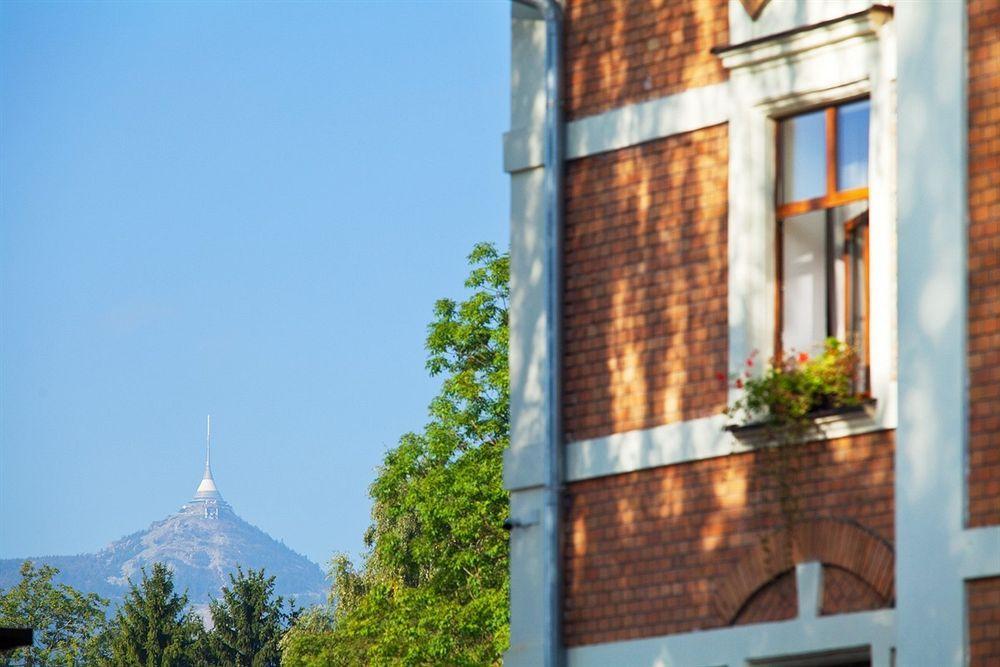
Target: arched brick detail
831,542
777,600
845,592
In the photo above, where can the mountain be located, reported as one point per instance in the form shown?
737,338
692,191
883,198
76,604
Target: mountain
202,543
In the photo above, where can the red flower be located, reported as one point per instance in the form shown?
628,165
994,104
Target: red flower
750,361
739,383
721,377
803,357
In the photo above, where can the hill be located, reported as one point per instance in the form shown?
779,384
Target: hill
202,543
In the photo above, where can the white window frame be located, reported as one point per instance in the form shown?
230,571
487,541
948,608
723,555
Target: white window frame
779,77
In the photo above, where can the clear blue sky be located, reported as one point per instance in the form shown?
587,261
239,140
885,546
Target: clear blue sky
242,209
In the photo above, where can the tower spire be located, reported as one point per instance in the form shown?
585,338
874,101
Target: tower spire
207,489
208,447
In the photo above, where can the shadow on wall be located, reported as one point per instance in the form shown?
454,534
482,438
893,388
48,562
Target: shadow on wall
646,551
645,331
621,52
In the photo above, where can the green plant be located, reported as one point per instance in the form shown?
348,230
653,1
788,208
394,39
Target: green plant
792,388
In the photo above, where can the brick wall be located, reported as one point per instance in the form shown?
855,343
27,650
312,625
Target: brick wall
645,311
623,51
984,263
983,599
644,549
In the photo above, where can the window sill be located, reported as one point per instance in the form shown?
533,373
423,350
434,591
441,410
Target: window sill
824,425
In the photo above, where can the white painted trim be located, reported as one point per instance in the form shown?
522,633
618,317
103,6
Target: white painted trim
734,646
648,448
765,88
680,442
979,553
529,402
931,439
809,588
626,126
788,46
781,15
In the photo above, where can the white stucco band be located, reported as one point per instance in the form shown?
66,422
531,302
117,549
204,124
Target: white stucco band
626,126
739,646
680,442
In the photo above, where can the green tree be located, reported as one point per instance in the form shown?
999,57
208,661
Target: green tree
64,619
248,621
310,642
433,586
153,627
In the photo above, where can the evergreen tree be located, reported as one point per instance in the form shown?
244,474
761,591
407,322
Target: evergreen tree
152,627
433,586
248,621
64,620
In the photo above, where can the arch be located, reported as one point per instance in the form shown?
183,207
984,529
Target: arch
832,542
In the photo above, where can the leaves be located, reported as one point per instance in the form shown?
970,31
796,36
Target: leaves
66,621
790,389
433,586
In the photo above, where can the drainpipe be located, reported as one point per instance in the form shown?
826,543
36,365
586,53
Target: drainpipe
551,12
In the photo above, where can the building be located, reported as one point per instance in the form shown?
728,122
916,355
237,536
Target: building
727,176
207,499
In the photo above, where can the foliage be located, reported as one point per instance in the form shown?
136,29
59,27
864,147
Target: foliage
783,400
433,586
65,620
311,642
152,627
248,621
792,388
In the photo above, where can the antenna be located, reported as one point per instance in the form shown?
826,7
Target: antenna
208,445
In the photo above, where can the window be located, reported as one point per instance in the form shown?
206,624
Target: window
822,231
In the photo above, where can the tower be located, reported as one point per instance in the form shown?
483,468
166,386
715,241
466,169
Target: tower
207,499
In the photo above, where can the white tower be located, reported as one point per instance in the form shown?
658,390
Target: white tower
207,496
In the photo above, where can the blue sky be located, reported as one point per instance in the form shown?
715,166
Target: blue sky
242,209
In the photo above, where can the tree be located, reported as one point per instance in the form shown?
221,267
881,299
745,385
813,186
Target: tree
248,621
433,586
64,619
152,627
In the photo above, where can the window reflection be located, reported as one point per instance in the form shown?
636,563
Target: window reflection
803,155
852,145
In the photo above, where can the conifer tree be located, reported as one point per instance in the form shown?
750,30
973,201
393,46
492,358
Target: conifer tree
248,621
152,627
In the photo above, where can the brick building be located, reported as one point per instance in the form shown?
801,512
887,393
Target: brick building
731,176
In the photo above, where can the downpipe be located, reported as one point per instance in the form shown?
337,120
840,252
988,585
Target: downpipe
554,138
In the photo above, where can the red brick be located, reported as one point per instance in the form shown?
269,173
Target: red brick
645,314
984,262
660,539
621,52
983,600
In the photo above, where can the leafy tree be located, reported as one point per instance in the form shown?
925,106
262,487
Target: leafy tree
310,642
152,627
433,586
64,619
248,621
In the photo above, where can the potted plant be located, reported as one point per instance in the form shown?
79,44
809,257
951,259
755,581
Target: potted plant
793,389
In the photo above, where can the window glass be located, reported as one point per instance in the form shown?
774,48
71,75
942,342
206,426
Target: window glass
844,325
804,282
852,145
803,157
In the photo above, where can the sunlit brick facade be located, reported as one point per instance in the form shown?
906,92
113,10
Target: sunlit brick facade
678,546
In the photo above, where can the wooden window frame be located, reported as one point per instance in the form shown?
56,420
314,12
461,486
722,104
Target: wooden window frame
832,198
